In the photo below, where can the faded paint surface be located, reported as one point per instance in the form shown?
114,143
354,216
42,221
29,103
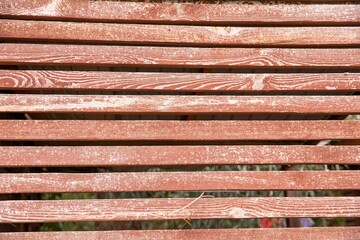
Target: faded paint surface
87,130
100,55
35,156
167,208
178,181
178,35
180,105
148,81
114,11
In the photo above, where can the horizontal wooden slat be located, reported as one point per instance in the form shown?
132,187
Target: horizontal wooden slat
147,81
87,55
229,14
178,35
178,181
179,105
36,156
177,208
329,233
87,130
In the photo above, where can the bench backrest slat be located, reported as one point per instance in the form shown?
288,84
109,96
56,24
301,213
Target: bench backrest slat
203,14
339,233
144,34
87,156
181,82
107,130
112,56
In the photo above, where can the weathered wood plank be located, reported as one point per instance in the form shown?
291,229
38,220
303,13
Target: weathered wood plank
329,233
88,130
178,181
96,55
46,156
163,35
148,81
177,208
227,14
179,105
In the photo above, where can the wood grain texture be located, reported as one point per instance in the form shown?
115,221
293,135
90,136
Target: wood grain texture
226,14
329,233
178,181
176,208
197,82
91,130
140,34
50,156
96,55
179,105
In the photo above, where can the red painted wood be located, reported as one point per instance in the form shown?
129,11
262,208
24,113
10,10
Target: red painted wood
87,55
329,233
180,105
227,14
177,208
148,81
87,130
104,33
36,156
178,181
190,36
